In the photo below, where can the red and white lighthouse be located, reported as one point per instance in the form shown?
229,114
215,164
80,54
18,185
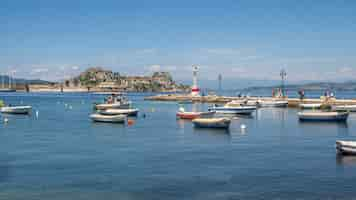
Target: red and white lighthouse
195,88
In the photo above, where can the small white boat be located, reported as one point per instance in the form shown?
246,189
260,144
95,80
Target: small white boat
118,105
129,112
234,108
272,103
7,90
212,123
346,147
323,116
350,108
108,118
310,105
16,109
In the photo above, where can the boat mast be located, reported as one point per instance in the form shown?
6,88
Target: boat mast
14,80
283,75
2,81
9,81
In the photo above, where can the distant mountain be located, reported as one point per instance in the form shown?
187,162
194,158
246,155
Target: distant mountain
349,85
22,81
232,84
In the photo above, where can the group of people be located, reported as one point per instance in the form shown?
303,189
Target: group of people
277,92
327,94
111,99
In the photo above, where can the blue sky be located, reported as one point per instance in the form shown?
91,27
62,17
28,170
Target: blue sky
253,40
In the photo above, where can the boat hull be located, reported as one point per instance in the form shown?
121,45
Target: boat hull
129,112
237,110
327,117
346,147
309,106
221,123
16,110
108,119
276,104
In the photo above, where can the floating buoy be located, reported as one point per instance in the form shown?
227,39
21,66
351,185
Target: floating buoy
6,120
130,122
243,126
37,114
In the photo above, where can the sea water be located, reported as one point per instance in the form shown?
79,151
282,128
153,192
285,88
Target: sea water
61,154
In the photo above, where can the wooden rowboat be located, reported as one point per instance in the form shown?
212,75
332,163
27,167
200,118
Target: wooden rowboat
193,115
323,116
108,118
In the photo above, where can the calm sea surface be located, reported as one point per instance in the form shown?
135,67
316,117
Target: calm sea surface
63,155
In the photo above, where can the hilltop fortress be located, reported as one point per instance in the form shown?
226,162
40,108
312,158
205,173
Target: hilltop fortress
98,79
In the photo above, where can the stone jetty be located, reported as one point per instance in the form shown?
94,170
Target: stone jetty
292,102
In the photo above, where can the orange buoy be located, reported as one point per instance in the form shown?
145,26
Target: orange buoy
130,122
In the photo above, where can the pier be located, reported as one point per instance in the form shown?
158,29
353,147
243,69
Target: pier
292,102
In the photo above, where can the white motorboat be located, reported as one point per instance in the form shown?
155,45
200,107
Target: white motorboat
16,109
108,118
346,147
114,102
234,108
310,105
212,123
129,112
323,116
272,103
349,108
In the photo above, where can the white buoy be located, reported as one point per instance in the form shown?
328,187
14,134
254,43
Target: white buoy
37,114
243,126
6,120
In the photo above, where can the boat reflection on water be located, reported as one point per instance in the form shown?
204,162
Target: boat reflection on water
279,114
234,116
346,160
100,125
323,124
216,133
322,128
182,123
5,167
